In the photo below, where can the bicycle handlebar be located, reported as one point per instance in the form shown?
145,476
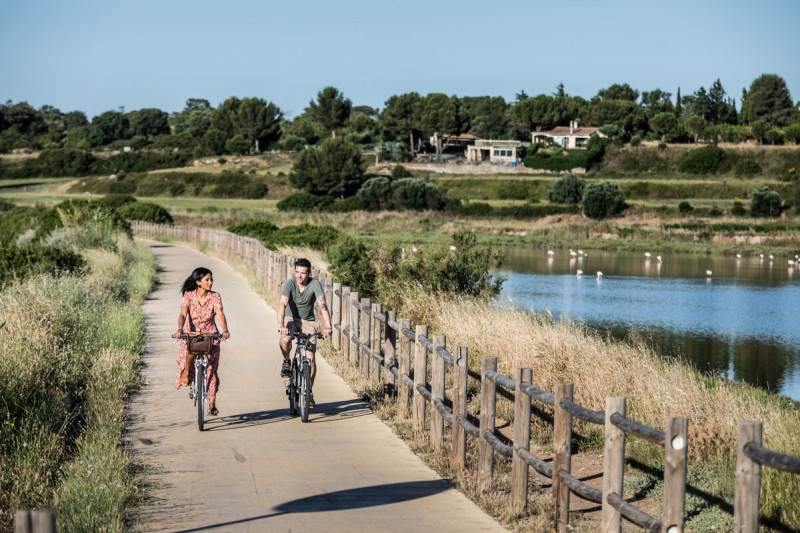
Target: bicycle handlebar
305,336
184,336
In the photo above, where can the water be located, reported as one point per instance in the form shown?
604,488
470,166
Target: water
741,323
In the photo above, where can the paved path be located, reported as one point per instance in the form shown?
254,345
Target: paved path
256,468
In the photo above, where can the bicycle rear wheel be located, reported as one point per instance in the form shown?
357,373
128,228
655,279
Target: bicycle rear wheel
201,397
293,391
305,391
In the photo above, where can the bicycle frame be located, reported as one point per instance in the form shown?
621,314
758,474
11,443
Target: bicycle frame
298,387
198,391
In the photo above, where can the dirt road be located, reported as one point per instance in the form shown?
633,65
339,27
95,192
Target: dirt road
256,468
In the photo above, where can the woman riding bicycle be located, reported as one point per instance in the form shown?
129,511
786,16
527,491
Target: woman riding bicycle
201,305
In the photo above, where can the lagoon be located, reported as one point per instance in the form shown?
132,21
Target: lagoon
741,323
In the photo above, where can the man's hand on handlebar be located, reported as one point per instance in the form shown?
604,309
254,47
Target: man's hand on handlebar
283,330
326,333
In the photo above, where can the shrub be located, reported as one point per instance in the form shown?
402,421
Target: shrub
747,166
705,160
257,191
146,211
17,221
400,172
412,193
316,237
114,201
293,143
715,212
738,209
567,190
556,162
257,228
76,213
685,207
479,209
376,193
299,201
601,200
17,262
636,140
765,203
346,205
335,168
6,206
349,262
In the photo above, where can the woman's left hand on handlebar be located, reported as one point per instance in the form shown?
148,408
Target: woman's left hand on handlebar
226,335
176,335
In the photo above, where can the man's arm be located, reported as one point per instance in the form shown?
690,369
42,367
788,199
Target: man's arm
326,316
282,303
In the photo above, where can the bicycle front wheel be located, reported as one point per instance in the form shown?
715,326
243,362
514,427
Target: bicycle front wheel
305,392
201,396
293,391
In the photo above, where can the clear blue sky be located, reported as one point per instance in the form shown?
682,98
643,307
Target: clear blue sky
98,55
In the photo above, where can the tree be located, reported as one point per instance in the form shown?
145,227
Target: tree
655,102
401,117
609,130
22,117
213,142
486,117
331,110
258,121
195,119
238,144
223,116
618,92
695,125
302,127
624,113
149,122
376,193
439,114
792,133
74,119
601,200
774,135
765,203
567,190
759,129
678,106
663,123
113,125
336,169
416,194
535,114
768,99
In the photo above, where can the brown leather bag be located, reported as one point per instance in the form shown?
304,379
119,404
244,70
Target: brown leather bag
198,343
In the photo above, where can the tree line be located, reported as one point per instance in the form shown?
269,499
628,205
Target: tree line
409,121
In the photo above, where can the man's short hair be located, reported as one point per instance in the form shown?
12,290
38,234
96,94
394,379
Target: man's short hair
303,262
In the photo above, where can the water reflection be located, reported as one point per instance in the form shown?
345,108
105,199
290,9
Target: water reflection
739,321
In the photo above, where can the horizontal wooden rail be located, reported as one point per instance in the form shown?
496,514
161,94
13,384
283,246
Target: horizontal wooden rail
497,444
639,430
580,488
635,515
772,459
538,394
595,417
545,469
502,380
443,410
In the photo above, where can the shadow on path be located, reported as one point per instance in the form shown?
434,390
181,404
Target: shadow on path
330,411
343,500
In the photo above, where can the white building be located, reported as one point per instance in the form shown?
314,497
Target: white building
569,137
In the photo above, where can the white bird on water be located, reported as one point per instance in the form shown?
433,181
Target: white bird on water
550,252
579,273
599,275
708,273
573,253
658,259
647,256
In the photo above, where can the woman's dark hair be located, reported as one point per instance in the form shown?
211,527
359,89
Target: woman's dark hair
191,282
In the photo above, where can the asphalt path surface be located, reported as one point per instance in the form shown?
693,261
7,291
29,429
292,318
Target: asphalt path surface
255,467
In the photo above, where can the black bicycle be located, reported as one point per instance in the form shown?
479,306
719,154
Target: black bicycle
298,386
198,389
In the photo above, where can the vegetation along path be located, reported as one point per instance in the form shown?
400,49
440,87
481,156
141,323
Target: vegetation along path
256,468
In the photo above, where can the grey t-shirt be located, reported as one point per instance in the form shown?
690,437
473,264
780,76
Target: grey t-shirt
301,306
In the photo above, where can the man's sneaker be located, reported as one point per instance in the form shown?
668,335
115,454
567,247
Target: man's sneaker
286,369
311,403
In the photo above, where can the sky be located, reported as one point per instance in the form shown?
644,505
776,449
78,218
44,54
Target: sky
100,55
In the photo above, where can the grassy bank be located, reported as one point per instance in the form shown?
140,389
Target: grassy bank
72,346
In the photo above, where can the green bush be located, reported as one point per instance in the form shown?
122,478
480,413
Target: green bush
146,211
257,191
347,205
601,200
412,193
376,193
316,237
475,209
17,221
567,190
5,205
747,166
349,262
738,209
400,172
78,212
765,203
685,207
17,262
299,201
556,163
114,201
705,160
257,228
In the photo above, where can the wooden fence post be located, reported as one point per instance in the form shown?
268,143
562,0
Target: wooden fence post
613,465
404,362
365,336
420,377
488,409
676,446
522,441
562,455
748,480
354,318
460,373
34,521
374,367
389,351
437,391
336,316
345,322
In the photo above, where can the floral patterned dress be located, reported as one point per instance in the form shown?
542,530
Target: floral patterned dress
201,319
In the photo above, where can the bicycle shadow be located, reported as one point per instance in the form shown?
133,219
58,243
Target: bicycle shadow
330,411
343,500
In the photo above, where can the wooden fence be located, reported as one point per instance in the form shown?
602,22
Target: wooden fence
387,350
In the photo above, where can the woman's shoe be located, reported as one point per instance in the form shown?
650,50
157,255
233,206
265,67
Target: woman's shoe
213,411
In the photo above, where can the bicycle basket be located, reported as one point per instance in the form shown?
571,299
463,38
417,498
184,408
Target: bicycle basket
198,343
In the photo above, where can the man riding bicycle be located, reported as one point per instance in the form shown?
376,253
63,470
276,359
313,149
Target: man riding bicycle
296,312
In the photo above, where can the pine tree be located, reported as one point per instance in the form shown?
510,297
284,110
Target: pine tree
678,107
